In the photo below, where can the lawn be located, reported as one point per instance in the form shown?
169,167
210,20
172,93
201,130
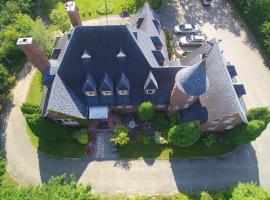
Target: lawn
67,147
135,151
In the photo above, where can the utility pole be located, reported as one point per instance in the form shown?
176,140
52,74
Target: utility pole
106,10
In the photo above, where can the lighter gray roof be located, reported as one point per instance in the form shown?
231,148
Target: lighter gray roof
221,99
64,100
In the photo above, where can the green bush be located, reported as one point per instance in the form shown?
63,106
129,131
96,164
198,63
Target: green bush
205,196
101,8
249,191
119,128
81,136
28,108
121,138
60,19
143,139
185,135
146,111
244,133
47,129
163,121
209,139
2,168
159,139
260,113
169,42
6,80
175,119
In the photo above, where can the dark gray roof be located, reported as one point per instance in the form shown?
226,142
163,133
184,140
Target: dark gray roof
195,112
123,83
193,80
239,89
232,70
89,84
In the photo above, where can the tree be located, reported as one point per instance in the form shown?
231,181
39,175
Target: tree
60,19
259,113
146,111
81,136
5,80
185,134
249,191
244,133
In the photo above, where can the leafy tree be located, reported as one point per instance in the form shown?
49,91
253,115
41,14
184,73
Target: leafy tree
265,30
81,136
28,108
146,111
120,138
5,80
185,134
260,113
249,191
119,128
60,19
244,133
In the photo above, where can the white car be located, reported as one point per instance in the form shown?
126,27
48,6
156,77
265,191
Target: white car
186,28
192,40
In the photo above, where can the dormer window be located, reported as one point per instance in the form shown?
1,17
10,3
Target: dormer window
151,85
106,86
107,93
90,93
150,91
122,92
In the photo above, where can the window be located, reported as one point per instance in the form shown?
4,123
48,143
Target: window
214,122
150,91
186,105
191,99
212,128
228,121
106,93
90,93
229,127
122,92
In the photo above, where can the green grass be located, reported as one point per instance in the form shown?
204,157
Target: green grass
139,151
66,148
35,91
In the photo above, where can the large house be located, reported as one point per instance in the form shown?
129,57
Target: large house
94,70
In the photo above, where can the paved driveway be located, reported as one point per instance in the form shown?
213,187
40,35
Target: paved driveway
247,163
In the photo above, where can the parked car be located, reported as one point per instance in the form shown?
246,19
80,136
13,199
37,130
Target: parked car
192,40
186,28
206,2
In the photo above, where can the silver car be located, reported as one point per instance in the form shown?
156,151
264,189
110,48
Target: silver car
186,28
192,40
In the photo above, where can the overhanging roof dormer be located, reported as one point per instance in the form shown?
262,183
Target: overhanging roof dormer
89,84
86,57
121,55
123,83
151,82
106,84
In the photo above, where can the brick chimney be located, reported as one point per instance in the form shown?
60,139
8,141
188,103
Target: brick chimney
73,13
34,54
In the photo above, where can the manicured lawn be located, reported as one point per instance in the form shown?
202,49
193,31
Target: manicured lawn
35,90
66,147
135,151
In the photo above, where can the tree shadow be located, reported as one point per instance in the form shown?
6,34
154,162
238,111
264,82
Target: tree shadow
124,164
194,175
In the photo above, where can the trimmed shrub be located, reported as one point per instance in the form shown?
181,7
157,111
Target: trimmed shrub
249,191
260,113
101,8
81,136
185,135
47,129
209,139
146,111
244,133
28,108
205,196
119,129
120,138
143,139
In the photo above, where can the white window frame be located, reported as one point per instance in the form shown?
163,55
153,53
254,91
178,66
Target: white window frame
107,93
90,93
215,122
228,120
186,105
150,91
128,106
229,127
122,92
212,128
67,122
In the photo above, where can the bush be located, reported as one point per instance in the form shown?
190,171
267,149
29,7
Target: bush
60,19
244,133
185,135
47,129
143,139
2,168
163,121
28,108
120,138
205,196
101,8
260,113
6,80
146,111
120,128
209,139
175,119
159,139
249,191
81,136
169,42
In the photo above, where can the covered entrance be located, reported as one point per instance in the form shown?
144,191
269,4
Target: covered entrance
100,115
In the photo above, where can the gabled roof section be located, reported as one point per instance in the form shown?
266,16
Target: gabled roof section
89,84
151,82
106,83
147,20
123,83
121,54
193,80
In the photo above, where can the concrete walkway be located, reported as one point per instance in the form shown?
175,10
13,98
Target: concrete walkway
247,163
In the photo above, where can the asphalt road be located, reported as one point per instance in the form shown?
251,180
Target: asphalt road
247,163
